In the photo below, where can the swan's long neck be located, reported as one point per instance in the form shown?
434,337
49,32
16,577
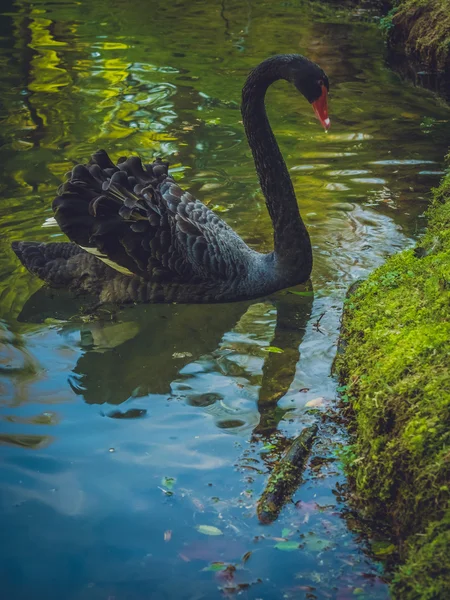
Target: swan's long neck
292,245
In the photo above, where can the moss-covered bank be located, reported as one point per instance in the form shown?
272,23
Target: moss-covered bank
421,28
396,366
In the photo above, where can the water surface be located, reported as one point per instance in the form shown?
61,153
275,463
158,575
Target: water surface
127,437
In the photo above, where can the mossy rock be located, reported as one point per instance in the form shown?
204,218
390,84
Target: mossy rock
422,29
396,359
426,573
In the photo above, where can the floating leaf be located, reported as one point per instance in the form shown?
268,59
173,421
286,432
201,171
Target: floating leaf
184,557
246,556
209,530
198,505
268,447
216,566
315,402
168,482
287,546
310,293
167,535
285,532
315,544
273,349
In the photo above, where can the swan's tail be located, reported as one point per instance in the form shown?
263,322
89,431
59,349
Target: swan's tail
66,265
51,262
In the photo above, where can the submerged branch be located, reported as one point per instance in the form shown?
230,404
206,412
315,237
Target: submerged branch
286,476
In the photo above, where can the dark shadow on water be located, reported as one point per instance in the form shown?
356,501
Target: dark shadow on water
419,75
47,303
293,314
141,350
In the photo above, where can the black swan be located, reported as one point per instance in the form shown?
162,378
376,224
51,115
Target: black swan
138,237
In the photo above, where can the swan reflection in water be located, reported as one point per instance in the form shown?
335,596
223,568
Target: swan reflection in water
217,357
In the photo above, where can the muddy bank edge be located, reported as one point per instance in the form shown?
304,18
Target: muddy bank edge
395,365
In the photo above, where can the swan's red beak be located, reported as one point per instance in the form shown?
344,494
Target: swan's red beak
320,107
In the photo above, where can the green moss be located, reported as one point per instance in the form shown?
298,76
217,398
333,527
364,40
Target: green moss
425,575
396,332
422,27
387,22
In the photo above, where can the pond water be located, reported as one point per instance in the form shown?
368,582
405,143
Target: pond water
128,439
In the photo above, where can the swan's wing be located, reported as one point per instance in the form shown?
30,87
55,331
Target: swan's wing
139,221
211,248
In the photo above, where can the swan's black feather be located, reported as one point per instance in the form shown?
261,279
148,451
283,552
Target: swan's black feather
142,222
60,264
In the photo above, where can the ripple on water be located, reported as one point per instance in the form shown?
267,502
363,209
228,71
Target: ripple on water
336,187
431,172
309,167
349,137
347,172
369,180
403,162
327,154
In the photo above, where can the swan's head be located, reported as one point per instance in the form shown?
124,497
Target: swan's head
312,82
308,78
